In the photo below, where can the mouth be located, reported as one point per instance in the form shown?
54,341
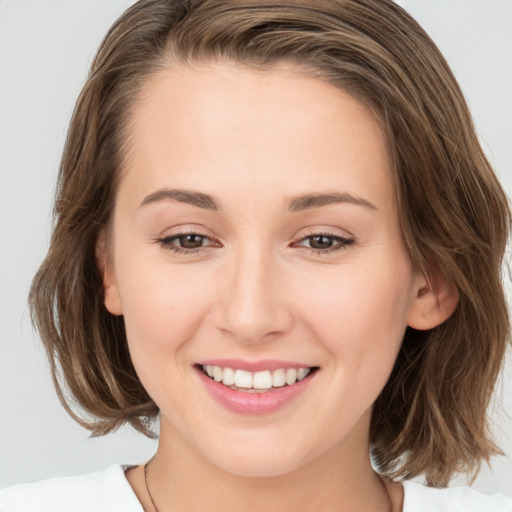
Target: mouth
263,381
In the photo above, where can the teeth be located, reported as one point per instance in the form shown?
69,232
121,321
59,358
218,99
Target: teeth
291,376
301,373
278,378
262,380
259,380
243,379
218,374
229,377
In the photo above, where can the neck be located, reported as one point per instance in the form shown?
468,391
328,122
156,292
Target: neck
341,480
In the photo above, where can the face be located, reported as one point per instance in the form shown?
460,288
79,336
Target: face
256,238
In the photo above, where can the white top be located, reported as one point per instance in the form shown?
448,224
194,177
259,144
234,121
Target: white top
109,491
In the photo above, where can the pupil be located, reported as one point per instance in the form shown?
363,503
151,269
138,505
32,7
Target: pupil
191,241
321,242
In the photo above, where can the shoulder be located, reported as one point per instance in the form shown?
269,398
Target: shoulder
419,498
103,491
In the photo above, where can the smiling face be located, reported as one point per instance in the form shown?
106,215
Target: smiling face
255,229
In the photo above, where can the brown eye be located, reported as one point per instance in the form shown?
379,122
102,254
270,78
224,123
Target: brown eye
190,241
187,243
321,242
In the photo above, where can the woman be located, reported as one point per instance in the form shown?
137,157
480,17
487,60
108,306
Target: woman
271,226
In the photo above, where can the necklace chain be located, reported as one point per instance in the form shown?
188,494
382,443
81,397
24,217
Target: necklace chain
147,486
390,503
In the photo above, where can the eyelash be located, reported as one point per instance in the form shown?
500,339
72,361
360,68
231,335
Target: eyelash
167,243
339,242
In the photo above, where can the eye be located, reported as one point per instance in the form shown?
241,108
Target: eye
186,243
322,243
190,241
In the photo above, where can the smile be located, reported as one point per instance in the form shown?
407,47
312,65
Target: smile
256,382
266,389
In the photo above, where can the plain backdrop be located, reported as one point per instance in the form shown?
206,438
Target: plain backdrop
46,47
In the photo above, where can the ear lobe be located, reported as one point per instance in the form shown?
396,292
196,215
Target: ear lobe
111,297
435,302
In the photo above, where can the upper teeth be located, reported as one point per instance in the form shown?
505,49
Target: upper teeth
257,380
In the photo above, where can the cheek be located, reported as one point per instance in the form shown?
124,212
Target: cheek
360,319
163,308
360,315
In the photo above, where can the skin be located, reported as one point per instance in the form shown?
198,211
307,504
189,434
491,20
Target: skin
255,289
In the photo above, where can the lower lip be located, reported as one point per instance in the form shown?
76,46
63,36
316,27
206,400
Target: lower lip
253,403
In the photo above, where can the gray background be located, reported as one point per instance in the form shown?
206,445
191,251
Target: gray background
46,47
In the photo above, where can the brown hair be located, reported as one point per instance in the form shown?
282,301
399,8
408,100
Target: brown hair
431,417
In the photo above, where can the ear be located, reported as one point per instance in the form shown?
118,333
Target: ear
435,301
111,296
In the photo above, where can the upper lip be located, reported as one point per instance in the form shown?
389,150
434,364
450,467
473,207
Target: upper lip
253,366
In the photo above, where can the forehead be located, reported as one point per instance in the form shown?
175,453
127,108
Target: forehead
231,122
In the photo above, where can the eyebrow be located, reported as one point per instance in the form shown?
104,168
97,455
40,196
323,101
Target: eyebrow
310,201
183,196
297,204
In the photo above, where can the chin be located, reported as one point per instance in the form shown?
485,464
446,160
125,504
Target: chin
257,468
260,463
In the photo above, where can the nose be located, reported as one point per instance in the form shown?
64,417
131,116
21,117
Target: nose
253,304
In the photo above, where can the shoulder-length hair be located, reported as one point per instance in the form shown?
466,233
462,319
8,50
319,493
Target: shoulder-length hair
431,417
